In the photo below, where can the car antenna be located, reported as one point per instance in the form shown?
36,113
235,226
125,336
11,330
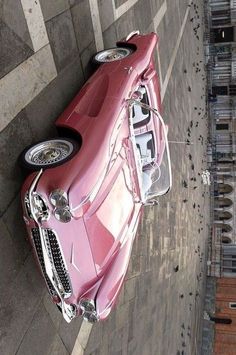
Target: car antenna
179,142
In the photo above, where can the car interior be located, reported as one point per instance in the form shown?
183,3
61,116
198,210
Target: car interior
141,116
145,145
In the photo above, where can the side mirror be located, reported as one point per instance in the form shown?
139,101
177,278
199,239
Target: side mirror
151,203
137,95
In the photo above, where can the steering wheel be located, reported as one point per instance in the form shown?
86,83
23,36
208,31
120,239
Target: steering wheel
156,166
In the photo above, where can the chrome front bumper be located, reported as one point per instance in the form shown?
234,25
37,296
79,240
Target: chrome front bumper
49,269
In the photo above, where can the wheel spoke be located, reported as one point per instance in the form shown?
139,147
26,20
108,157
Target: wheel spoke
49,152
113,54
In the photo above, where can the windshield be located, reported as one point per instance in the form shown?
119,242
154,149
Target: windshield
152,156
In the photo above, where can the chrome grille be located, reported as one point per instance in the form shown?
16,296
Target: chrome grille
57,259
38,248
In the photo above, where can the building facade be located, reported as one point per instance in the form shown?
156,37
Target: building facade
225,316
221,69
220,301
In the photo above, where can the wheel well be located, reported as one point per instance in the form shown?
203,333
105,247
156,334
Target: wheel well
126,45
69,133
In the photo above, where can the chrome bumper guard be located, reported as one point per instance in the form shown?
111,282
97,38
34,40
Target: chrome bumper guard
132,34
68,310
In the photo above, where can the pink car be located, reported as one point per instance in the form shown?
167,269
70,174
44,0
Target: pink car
83,204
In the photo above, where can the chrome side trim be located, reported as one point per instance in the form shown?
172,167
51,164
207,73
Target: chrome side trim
132,34
34,204
31,191
135,150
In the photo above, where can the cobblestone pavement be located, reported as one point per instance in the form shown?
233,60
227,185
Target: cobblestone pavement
159,309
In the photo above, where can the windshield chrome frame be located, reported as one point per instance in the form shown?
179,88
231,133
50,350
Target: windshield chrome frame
132,102
135,150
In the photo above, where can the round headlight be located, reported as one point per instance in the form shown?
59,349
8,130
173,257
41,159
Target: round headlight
62,214
87,305
58,198
88,309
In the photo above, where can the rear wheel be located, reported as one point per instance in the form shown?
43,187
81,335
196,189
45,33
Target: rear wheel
111,55
49,153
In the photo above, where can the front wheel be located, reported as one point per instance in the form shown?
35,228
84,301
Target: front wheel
111,55
49,153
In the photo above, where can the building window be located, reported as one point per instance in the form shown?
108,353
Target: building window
225,228
232,90
220,320
221,35
223,202
222,215
222,126
224,188
232,305
226,240
229,259
219,90
220,17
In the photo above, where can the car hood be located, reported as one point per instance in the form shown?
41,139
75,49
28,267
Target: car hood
101,226
76,251
108,218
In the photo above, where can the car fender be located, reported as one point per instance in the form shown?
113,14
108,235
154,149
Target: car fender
114,278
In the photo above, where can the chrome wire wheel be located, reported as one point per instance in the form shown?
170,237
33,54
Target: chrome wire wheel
112,55
49,153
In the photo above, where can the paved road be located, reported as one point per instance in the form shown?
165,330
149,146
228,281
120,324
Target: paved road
159,310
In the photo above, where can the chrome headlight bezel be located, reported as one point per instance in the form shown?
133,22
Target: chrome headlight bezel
88,309
63,214
91,317
58,198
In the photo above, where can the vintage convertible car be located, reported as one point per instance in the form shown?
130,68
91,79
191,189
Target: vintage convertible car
82,202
